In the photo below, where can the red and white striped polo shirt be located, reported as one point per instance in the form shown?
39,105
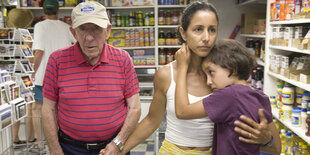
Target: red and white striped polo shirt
91,99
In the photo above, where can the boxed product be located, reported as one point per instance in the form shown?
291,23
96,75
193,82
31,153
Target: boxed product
305,77
248,21
118,42
117,34
118,3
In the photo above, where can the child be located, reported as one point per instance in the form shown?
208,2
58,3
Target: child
227,67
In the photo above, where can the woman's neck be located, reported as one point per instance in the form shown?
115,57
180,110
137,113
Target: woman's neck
195,64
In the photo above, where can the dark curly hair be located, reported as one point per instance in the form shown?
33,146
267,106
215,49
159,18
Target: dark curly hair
189,12
233,56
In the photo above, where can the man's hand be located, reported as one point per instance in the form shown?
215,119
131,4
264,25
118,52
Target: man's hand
251,131
110,149
33,76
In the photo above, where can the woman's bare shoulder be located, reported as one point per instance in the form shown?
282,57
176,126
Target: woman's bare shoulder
163,76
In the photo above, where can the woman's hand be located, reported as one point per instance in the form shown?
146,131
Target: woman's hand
183,56
253,132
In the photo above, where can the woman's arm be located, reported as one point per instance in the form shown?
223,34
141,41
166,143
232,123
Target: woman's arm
156,113
183,109
261,132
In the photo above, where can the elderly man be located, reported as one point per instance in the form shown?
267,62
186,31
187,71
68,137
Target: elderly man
91,91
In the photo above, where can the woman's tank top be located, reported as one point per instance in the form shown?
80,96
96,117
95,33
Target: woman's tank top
190,133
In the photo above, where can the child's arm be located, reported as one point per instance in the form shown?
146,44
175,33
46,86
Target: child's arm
183,109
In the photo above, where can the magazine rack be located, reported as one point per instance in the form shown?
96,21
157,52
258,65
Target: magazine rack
15,82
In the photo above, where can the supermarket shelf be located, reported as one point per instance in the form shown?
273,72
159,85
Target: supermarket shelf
133,27
296,83
252,2
297,130
172,46
299,21
290,49
146,97
131,7
41,8
167,26
134,48
146,84
252,36
260,62
172,6
145,66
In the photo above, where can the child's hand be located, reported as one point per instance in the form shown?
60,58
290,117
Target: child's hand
183,56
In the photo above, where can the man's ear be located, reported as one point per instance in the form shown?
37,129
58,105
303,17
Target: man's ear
108,31
73,32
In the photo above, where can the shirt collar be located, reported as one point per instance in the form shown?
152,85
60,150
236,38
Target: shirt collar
80,58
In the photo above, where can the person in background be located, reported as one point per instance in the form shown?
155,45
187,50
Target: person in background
49,35
227,68
200,23
91,91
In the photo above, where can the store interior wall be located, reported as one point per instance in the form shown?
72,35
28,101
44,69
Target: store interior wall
230,15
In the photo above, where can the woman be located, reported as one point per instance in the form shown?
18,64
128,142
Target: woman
189,136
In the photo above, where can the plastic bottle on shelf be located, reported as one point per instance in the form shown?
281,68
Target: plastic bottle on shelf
303,117
257,45
289,143
161,38
282,137
162,57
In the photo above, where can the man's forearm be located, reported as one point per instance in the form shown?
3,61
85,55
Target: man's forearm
50,128
131,120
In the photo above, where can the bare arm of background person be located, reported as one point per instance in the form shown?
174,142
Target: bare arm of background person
132,118
38,54
50,127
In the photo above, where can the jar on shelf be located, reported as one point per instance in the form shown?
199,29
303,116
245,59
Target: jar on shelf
175,18
161,17
132,19
168,19
146,19
288,94
286,112
161,38
299,93
152,19
162,57
296,117
170,56
305,101
169,38
273,101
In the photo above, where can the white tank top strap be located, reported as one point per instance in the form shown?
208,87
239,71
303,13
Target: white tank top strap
171,69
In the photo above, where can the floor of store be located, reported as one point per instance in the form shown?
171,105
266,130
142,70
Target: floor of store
145,148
